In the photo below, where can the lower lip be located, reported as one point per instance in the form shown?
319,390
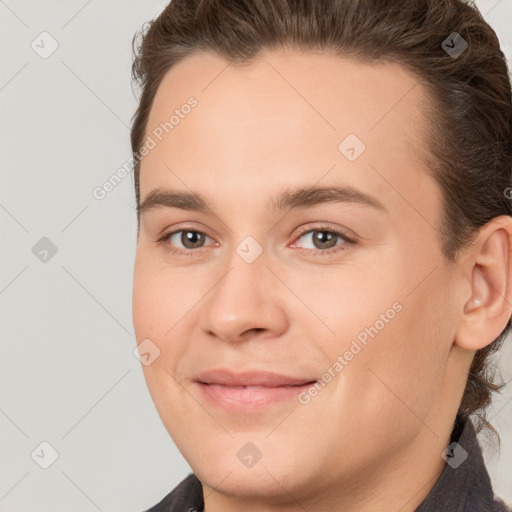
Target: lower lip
249,398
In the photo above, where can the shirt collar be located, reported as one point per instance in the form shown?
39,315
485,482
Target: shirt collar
464,483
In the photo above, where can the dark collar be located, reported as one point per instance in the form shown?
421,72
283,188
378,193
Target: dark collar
464,484
187,496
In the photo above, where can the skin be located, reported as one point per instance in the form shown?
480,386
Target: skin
372,438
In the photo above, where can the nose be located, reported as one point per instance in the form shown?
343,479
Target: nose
246,299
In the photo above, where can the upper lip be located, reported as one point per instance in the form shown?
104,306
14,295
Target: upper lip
250,378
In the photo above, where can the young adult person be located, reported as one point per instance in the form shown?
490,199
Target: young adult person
323,267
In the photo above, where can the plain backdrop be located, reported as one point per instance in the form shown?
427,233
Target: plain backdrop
72,393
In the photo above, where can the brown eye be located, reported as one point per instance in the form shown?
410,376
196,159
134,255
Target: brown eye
322,239
192,239
186,239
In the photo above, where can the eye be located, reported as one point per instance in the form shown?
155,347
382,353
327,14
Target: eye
324,239
184,240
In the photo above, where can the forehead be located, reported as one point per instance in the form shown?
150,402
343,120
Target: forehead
281,119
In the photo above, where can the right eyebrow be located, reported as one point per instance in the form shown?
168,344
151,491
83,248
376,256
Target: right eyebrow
168,198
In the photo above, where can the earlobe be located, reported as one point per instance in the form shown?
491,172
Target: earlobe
489,307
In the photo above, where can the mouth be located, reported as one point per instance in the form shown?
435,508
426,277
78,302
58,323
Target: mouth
249,391
250,378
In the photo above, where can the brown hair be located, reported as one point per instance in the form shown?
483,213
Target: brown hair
469,97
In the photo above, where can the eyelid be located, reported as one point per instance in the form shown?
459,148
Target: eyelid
178,228
351,238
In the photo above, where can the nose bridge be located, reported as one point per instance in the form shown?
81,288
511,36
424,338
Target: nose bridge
243,297
244,279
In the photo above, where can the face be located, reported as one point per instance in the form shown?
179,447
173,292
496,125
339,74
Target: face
342,291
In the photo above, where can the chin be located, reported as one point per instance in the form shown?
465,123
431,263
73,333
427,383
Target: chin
226,465
253,484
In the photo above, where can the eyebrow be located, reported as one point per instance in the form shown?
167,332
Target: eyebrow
293,198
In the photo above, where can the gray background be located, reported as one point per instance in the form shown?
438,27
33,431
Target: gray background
67,369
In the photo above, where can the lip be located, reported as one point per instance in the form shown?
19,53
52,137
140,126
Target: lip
250,378
249,391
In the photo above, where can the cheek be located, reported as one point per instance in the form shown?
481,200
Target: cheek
140,291
349,304
155,304
406,361
153,309
394,343
163,312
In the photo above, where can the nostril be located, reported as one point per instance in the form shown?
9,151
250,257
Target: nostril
254,330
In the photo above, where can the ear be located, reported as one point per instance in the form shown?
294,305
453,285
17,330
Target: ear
487,268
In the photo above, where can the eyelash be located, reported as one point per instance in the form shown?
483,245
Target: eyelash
339,248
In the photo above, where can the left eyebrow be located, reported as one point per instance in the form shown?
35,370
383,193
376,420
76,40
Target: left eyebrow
293,198
307,197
